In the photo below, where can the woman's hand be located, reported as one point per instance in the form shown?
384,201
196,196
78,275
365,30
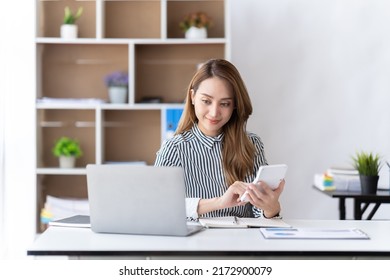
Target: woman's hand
232,196
229,199
263,197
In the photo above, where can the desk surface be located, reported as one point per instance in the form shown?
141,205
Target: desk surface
381,194
62,241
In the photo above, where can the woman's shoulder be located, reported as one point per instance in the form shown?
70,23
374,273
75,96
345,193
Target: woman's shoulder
254,137
256,140
178,139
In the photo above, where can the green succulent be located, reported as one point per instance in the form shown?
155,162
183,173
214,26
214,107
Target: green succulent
66,146
69,18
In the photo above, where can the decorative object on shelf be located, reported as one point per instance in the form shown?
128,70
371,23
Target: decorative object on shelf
368,166
67,150
69,29
195,25
117,83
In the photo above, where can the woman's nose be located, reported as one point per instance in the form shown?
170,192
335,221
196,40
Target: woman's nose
214,110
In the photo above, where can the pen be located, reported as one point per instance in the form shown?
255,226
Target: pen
235,220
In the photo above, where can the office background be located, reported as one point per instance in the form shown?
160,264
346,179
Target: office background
317,71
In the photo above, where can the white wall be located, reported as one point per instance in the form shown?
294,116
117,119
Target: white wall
17,87
319,77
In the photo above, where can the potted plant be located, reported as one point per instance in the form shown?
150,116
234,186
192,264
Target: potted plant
368,166
69,28
195,25
117,83
67,150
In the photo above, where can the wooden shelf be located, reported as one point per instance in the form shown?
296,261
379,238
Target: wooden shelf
61,171
141,37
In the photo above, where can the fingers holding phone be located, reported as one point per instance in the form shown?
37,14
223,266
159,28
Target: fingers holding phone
271,176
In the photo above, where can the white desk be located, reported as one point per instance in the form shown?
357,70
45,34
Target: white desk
215,243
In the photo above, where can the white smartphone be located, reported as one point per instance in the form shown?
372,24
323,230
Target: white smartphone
269,174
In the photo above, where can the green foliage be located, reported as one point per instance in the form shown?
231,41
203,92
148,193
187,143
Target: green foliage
367,163
69,18
66,146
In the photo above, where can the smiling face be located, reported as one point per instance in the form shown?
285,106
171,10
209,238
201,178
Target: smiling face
214,105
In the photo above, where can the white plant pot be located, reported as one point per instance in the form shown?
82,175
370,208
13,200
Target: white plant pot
117,94
196,33
69,31
67,162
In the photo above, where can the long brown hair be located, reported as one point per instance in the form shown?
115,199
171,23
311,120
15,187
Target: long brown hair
238,151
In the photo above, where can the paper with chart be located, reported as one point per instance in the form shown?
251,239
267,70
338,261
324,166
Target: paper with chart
313,233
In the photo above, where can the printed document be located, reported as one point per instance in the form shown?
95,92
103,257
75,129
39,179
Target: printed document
313,233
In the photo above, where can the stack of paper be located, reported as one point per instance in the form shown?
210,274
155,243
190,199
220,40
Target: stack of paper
50,100
74,221
59,208
324,182
341,178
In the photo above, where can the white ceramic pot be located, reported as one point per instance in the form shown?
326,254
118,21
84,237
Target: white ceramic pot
67,162
196,33
117,94
69,31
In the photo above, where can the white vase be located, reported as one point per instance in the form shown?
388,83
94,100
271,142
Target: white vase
117,94
196,33
69,31
67,162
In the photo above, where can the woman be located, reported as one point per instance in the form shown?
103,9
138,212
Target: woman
218,156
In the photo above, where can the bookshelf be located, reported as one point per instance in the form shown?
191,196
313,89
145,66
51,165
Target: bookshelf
141,37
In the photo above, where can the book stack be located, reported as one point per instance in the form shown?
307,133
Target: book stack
58,208
345,178
324,182
338,178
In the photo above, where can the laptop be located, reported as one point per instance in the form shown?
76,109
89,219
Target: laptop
138,199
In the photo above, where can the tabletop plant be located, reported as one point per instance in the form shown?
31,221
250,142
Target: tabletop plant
117,79
67,147
368,166
197,19
69,17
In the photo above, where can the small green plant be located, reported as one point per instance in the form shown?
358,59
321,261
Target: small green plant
367,164
69,17
66,146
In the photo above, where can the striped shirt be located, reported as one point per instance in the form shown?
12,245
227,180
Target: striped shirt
201,158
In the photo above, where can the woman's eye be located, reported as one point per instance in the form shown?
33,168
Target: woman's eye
227,104
205,101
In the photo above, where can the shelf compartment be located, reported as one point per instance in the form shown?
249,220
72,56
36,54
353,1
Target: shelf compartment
74,186
51,15
78,70
177,10
165,70
135,138
65,123
132,19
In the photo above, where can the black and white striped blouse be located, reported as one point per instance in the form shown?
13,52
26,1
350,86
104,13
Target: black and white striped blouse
201,158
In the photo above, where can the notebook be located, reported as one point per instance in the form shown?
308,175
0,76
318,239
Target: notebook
137,199
235,222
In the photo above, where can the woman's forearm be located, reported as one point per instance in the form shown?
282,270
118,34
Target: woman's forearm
208,205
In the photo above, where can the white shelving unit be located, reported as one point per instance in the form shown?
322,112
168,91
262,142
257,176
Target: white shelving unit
141,37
